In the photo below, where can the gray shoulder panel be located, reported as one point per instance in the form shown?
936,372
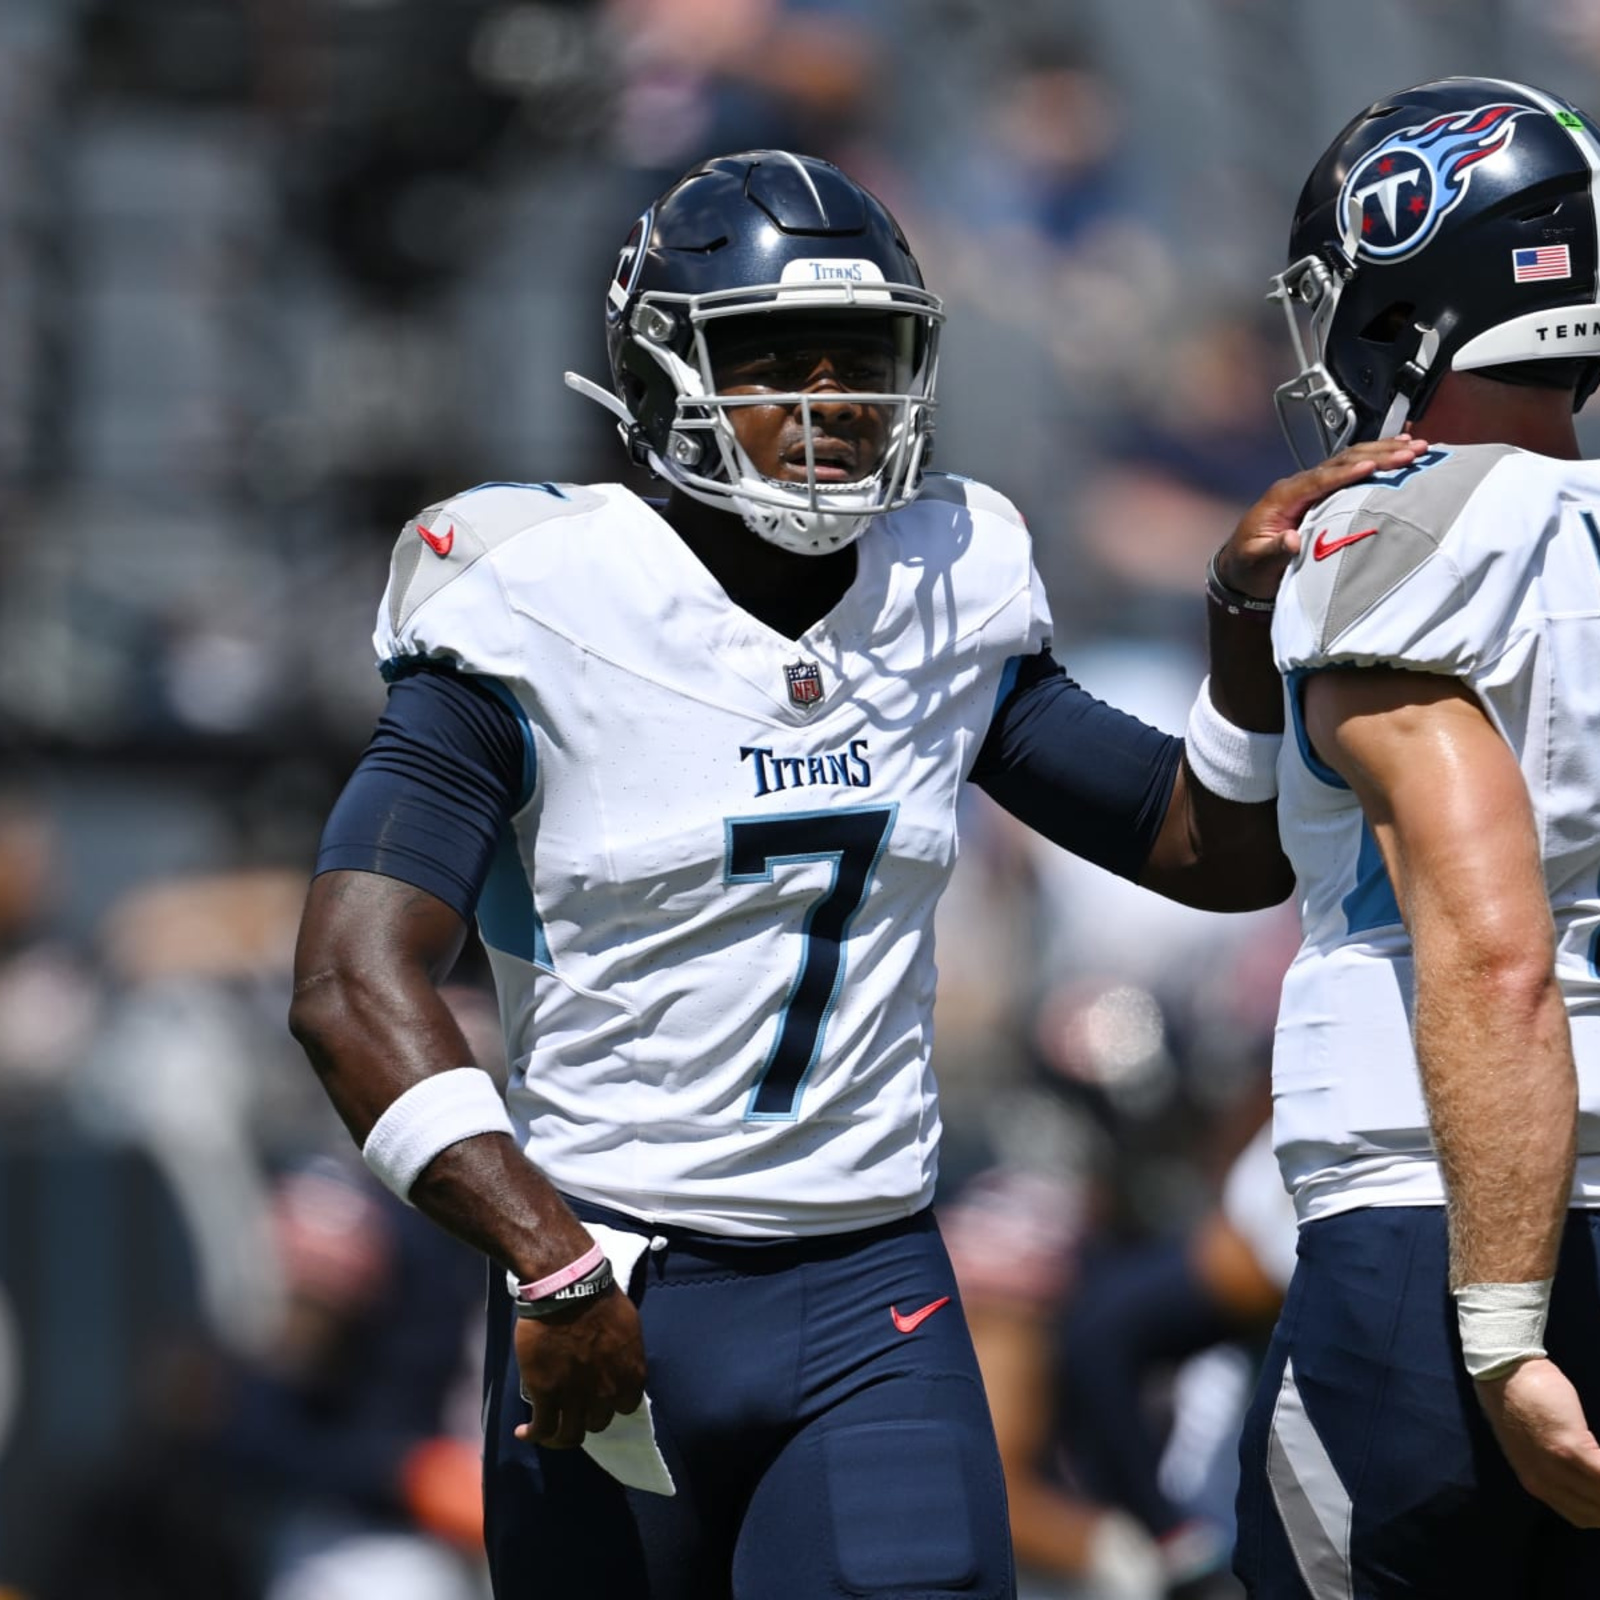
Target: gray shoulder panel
440,543
1412,510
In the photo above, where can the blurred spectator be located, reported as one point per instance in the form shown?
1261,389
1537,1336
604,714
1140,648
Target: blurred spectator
1214,979
703,75
191,1067
50,996
188,1069
1089,1340
348,1430
1028,227
1014,1231
335,1461
1102,1240
1194,439
986,944
1140,1316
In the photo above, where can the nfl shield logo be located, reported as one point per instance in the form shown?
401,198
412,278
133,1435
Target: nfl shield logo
805,682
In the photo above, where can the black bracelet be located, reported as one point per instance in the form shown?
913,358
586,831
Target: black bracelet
592,1283
1234,601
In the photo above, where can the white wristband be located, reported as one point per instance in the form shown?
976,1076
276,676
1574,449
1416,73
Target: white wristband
1230,761
1501,1324
441,1110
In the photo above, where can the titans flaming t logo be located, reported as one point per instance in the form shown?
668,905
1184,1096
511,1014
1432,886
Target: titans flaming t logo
1406,187
630,261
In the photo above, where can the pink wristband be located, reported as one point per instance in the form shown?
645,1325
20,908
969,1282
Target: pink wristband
541,1287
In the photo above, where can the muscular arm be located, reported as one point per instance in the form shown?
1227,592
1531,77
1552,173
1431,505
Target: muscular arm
368,1012
1121,794
1219,855
1090,778
1117,792
427,803
1450,812
1447,805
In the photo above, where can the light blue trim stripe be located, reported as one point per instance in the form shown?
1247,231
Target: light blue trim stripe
1372,903
1318,768
507,918
1008,682
548,488
530,759
1594,946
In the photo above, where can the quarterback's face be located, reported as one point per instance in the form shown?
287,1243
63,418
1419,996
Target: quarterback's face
831,361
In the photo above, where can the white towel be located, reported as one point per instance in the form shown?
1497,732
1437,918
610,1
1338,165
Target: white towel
628,1448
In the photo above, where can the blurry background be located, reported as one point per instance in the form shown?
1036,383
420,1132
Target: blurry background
274,274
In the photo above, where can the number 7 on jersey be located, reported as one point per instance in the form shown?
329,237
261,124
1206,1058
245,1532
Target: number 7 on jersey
853,840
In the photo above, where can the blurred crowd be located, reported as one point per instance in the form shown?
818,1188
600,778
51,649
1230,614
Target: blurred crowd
274,274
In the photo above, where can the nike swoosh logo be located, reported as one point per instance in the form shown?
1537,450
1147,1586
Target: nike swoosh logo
1323,547
917,1318
440,543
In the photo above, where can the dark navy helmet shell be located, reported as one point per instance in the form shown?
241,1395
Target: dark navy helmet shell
748,235
1443,229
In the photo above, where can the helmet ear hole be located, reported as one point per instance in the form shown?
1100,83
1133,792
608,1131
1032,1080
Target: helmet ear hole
1389,324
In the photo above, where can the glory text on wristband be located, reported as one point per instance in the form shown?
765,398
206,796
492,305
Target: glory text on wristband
595,1281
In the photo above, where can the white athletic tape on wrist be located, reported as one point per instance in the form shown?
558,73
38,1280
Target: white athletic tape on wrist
1501,1324
1230,761
430,1116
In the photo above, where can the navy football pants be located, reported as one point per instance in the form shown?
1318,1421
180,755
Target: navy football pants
817,1449
1368,1468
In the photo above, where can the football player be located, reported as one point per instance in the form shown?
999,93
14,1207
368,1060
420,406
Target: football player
1421,1427
696,770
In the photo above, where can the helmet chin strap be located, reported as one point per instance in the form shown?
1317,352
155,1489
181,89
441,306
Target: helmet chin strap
604,397
1421,364
1395,420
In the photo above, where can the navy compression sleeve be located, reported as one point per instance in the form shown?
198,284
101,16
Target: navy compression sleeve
447,765
1092,779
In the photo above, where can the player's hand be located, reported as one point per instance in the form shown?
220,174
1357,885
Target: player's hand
579,1369
1255,556
1538,1419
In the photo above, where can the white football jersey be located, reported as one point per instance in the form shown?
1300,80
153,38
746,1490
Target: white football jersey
711,923
1483,563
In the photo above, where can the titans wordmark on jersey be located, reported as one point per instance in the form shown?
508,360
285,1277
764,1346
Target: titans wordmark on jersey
711,921
1482,563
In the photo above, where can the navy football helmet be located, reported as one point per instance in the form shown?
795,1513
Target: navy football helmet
1452,227
758,234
